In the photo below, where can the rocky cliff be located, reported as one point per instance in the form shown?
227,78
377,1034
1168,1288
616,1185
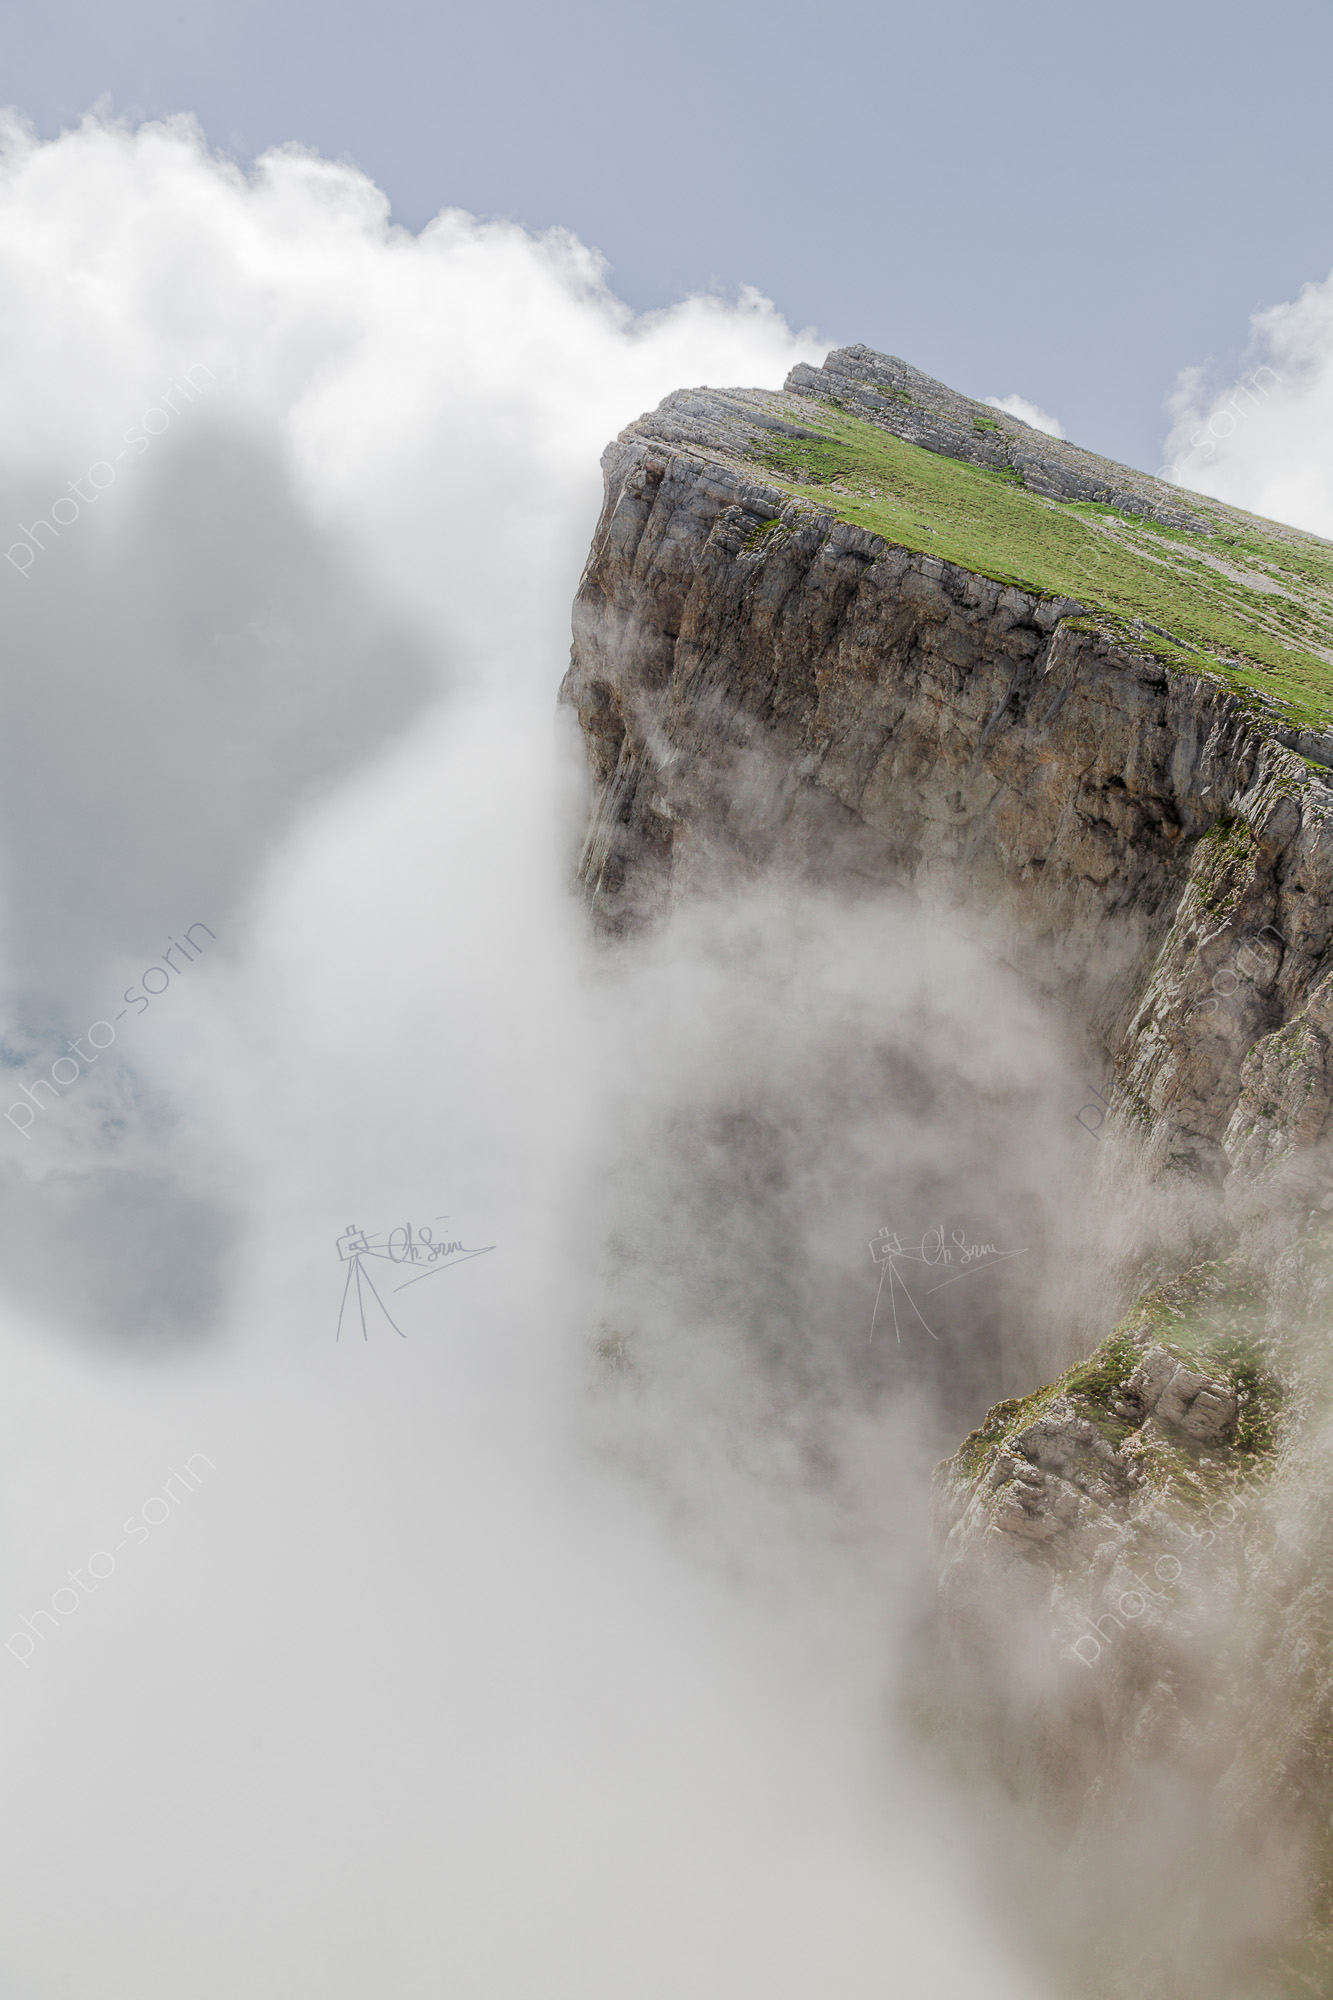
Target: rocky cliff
834,645
869,634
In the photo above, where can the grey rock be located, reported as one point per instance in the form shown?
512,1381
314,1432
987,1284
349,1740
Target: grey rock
1178,1396
762,686
890,392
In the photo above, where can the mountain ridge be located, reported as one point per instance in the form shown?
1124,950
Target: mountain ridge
1232,594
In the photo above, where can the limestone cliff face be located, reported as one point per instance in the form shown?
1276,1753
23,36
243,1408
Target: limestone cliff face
1133,806
764,685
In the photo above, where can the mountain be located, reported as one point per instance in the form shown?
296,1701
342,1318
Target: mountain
874,648
871,637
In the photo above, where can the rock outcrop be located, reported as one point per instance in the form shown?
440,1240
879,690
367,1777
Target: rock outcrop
925,412
1173,1417
765,685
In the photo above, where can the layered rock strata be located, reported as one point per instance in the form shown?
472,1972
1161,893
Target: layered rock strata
762,685
923,411
766,686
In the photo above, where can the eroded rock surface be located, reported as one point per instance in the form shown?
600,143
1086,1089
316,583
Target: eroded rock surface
1118,1521
764,686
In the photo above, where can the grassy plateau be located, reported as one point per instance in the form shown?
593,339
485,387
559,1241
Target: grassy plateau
1250,603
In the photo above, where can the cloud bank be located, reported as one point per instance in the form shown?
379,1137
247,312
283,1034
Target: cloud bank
1263,441
418,1692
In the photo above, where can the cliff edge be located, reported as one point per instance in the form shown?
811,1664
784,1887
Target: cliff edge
870,633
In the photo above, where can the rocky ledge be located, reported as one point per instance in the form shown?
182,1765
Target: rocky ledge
1117,1463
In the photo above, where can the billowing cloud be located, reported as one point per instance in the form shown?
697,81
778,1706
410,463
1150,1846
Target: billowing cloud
1027,413
412,1690
1264,440
278,478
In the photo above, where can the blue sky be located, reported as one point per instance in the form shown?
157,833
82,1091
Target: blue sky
1068,203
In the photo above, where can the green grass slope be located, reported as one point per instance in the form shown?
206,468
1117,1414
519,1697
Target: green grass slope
1250,603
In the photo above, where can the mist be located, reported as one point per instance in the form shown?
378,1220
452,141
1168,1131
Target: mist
545,1636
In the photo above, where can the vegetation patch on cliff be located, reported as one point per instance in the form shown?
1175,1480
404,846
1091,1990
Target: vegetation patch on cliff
1250,602
1210,1320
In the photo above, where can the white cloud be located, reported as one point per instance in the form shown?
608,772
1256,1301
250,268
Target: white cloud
415,1696
1265,441
1027,413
